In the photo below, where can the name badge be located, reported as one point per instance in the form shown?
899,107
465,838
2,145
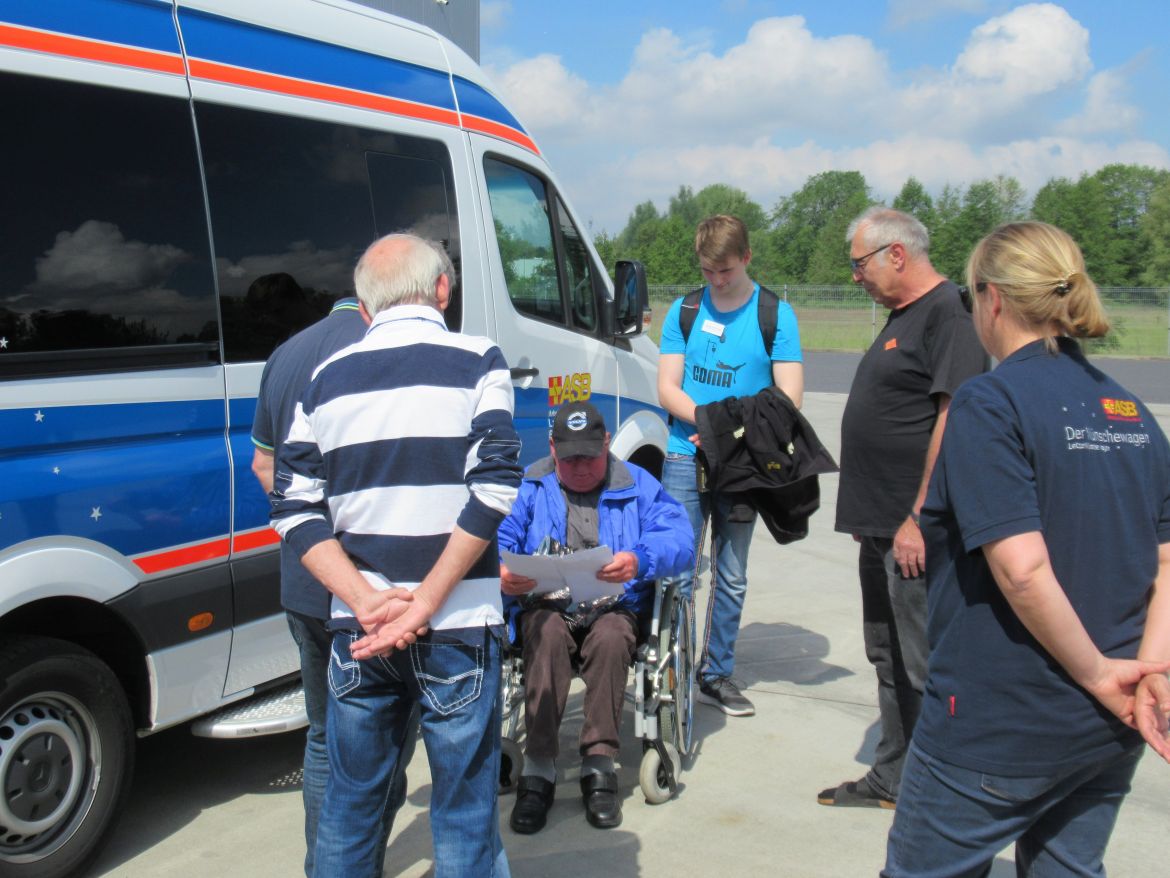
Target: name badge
712,328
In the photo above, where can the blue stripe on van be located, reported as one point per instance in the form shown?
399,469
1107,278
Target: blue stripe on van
136,477
144,23
227,41
474,99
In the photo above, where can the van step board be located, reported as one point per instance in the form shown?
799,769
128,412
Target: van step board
272,711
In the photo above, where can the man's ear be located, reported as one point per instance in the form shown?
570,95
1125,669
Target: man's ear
443,291
365,314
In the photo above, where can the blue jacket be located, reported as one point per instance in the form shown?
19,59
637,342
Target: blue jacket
634,512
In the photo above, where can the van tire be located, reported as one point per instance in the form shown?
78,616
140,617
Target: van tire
66,756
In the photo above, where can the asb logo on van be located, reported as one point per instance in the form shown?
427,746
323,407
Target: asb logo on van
576,387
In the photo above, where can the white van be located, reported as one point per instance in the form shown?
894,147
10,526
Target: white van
186,184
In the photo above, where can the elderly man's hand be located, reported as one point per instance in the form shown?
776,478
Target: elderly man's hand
379,607
514,584
622,568
410,621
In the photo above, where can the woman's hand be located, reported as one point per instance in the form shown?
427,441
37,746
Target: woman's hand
1115,685
1152,712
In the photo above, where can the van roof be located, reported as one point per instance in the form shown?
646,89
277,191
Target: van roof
324,50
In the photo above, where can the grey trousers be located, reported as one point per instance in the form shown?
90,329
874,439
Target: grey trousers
603,653
894,627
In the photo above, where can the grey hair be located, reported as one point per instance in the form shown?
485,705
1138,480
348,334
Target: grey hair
399,269
448,265
884,225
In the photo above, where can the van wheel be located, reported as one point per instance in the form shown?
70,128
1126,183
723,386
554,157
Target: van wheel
66,756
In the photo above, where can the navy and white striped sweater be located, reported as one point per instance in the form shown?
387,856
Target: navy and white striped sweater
398,438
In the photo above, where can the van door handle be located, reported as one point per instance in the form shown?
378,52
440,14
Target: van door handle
530,372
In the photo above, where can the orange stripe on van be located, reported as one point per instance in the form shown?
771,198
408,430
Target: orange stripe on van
257,539
173,558
317,91
487,126
89,50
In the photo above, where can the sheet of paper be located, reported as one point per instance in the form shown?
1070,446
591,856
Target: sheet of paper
578,571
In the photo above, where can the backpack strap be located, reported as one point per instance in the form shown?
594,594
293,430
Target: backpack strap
768,306
689,312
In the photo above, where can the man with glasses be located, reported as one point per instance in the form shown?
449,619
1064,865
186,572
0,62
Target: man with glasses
890,433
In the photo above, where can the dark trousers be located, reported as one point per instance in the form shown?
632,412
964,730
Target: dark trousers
894,627
603,653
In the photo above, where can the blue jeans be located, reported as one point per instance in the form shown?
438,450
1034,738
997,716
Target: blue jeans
951,822
893,613
729,557
455,685
314,641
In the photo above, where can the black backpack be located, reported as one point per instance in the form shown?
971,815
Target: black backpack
767,305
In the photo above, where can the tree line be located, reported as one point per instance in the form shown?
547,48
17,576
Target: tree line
1120,215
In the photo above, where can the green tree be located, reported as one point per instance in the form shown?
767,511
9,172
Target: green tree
1127,192
1080,209
915,200
947,245
807,221
1155,229
721,198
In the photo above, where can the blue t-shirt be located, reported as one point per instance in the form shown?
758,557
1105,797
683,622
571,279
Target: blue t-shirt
286,375
1043,443
725,355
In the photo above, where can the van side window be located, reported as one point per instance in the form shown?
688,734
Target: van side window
105,261
416,193
525,238
582,297
294,203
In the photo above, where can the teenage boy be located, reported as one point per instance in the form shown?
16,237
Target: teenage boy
720,353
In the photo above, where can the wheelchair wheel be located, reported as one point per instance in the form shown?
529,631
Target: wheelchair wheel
675,640
511,765
652,775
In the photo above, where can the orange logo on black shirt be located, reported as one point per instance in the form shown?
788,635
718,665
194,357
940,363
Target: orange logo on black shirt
891,344
1120,409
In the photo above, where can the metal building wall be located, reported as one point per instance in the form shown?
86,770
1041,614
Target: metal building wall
457,20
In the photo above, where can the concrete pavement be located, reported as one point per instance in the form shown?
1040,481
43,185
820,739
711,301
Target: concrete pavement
747,804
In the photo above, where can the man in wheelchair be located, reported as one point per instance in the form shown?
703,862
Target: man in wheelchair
580,496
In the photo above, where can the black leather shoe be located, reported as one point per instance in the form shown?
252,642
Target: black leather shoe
603,805
534,796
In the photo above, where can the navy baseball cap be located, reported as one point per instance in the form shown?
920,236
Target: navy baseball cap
578,431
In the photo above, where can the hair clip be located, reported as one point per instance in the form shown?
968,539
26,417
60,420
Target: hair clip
1062,288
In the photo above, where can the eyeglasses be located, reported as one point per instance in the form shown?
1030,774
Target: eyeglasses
858,264
965,295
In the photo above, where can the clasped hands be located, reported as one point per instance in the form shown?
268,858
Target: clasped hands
622,568
392,619
1138,693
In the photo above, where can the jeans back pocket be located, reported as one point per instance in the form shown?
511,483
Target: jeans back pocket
449,675
345,672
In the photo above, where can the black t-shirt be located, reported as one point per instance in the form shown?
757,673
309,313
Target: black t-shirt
927,348
1048,444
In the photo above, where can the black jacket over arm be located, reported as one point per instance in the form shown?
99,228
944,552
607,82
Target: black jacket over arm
760,451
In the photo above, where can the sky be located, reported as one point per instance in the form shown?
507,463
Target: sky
629,100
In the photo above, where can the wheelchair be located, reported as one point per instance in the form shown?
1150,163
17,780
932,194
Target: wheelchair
663,698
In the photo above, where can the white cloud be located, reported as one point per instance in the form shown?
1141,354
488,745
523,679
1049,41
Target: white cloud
785,103
97,254
493,13
1031,50
1105,107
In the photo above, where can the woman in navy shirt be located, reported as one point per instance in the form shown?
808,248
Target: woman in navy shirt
1047,527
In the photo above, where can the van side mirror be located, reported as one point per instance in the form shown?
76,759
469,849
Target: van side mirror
631,301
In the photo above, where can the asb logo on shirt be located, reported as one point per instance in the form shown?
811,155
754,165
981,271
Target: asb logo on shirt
1120,410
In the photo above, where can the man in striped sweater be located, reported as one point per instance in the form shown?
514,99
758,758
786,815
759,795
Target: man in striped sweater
401,462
